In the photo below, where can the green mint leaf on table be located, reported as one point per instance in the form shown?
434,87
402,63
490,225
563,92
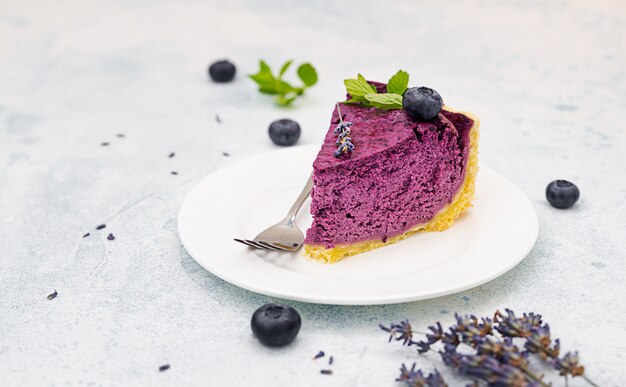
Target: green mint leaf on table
385,101
274,85
398,83
284,68
265,68
307,74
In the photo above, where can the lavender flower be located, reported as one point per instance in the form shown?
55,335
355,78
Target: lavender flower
431,338
472,332
512,326
485,368
494,357
569,365
400,332
504,351
344,141
539,342
415,378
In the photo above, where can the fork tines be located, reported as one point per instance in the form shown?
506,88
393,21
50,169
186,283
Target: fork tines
261,245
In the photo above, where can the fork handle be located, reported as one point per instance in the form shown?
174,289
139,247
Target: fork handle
293,211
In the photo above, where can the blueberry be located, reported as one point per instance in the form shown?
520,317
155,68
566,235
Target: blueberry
222,71
562,193
275,325
422,103
284,132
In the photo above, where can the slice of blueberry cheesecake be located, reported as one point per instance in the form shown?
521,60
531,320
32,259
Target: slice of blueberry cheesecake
392,164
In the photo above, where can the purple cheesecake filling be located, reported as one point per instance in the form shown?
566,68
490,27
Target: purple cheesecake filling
401,174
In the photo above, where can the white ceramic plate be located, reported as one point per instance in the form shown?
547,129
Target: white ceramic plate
241,199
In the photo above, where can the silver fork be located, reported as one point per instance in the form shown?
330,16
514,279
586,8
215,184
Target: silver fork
284,235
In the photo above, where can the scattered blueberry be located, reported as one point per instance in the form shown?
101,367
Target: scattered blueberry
275,325
562,194
284,132
222,71
422,103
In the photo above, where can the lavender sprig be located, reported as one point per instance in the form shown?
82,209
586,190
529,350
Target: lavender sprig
344,141
496,359
415,378
400,332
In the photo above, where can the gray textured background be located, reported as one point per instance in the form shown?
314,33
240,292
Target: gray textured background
546,78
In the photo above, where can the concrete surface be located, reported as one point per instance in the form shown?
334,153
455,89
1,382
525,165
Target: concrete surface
547,78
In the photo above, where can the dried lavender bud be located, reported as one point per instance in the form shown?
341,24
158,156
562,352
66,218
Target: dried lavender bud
86,235
53,295
431,338
504,351
171,155
400,332
326,372
100,227
121,135
512,326
174,173
217,118
331,361
111,237
540,342
105,144
415,378
226,154
164,367
319,354
569,365
472,332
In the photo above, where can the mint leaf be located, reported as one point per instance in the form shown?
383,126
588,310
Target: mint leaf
265,68
357,88
385,101
285,93
362,78
284,68
307,74
285,101
398,83
266,82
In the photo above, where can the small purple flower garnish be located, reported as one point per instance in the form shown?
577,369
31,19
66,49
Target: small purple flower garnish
344,141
